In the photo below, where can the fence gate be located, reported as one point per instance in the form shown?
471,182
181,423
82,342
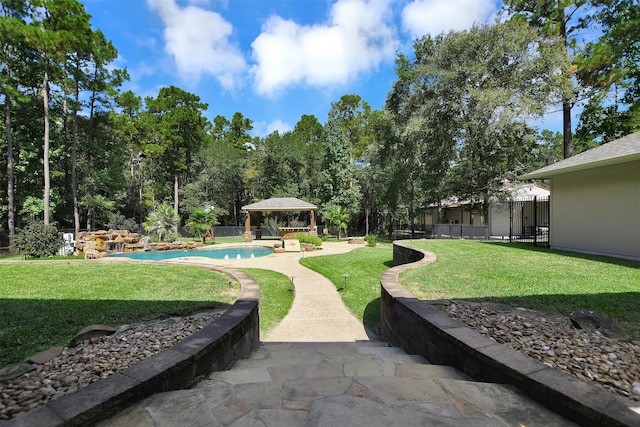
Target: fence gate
529,221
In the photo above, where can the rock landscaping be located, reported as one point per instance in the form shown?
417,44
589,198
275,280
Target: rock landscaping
70,368
592,355
100,243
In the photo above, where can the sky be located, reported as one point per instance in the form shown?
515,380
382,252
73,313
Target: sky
273,60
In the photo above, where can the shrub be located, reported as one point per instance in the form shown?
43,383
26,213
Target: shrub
372,240
38,240
314,240
118,221
170,237
161,221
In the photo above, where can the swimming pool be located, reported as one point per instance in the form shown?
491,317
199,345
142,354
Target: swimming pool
229,252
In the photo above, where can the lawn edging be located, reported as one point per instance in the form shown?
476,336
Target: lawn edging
233,336
419,328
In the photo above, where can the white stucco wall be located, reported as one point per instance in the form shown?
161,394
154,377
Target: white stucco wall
597,211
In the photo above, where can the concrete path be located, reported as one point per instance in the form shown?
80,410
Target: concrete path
318,313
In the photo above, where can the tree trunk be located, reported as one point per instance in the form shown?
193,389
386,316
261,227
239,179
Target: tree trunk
10,202
47,182
566,129
411,208
175,199
74,154
566,103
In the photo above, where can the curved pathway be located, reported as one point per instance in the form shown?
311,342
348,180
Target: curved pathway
318,313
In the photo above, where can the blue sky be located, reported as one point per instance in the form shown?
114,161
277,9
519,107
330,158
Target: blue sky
273,60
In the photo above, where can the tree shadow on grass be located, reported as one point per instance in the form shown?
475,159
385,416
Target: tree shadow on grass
590,257
30,326
371,316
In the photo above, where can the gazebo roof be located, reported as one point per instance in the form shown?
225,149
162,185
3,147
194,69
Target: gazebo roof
280,204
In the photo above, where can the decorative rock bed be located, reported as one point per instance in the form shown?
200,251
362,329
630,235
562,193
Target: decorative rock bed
586,354
71,368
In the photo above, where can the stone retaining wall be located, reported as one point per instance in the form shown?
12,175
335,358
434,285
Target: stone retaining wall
421,329
233,336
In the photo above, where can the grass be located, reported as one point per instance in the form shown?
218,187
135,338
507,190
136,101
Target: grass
364,267
276,297
521,275
45,304
228,239
22,257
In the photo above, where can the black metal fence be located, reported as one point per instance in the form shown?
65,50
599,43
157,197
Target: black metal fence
521,221
515,221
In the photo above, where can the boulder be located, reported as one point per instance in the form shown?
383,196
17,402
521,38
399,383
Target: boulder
46,355
93,331
592,320
15,370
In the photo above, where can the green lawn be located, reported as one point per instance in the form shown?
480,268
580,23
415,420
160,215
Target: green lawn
45,304
364,267
521,275
276,297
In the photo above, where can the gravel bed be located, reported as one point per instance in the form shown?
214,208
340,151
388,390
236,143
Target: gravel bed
94,359
589,355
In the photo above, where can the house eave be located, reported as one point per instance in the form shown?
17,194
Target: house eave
549,172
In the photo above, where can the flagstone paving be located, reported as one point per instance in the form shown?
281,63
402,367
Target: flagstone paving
320,367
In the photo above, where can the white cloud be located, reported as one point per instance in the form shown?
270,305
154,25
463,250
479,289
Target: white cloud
278,125
263,129
198,40
357,38
421,17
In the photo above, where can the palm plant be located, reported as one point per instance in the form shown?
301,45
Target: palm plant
201,223
338,217
161,221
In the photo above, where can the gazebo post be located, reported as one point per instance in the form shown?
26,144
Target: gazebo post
313,231
247,228
259,226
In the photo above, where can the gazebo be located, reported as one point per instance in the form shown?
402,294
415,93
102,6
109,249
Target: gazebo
279,204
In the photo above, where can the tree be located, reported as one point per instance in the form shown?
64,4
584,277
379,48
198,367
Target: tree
309,129
354,114
99,208
338,187
12,29
57,28
177,130
201,223
609,68
88,71
338,217
161,221
460,109
566,19
128,128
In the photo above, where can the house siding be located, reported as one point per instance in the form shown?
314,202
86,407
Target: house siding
597,211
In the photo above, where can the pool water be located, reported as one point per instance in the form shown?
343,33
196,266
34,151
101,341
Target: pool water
231,252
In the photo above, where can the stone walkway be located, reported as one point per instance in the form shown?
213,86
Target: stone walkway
320,368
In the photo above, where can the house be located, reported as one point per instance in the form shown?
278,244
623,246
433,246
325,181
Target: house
520,209
515,210
595,199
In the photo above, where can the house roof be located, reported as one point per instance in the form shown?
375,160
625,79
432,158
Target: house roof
516,193
621,150
525,192
280,204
